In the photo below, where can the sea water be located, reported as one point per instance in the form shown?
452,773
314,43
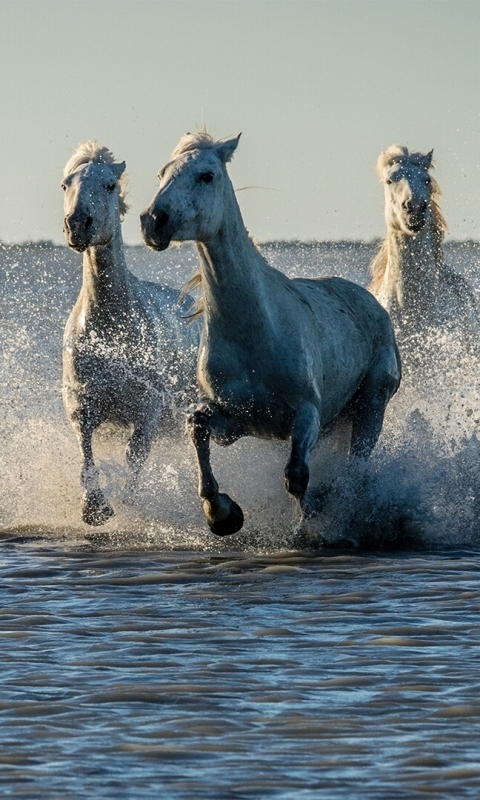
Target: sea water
148,658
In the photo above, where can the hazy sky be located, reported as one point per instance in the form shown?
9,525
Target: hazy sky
318,89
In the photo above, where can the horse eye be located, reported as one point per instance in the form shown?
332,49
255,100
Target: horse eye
389,181
64,186
111,186
206,177
428,181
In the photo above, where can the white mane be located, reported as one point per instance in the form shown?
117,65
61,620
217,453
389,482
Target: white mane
200,140
92,151
398,154
385,268
279,358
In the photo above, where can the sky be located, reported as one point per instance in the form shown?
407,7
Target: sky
318,89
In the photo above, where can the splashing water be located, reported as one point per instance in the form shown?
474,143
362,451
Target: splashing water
421,487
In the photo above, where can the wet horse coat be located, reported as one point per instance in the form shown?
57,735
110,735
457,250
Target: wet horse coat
127,355
279,358
409,275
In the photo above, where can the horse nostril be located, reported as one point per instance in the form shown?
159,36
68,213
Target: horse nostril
161,219
88,222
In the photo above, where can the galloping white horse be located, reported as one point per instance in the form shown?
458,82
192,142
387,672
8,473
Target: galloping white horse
127,355
409,277
279,358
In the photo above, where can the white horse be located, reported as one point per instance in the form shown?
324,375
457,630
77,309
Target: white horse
409,276
278,358
127,355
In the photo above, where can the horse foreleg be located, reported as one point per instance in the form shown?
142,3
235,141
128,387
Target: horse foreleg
137,452
223,515
304,436
95,509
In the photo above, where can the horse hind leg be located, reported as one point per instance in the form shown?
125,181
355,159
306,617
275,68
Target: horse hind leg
137,452
304,436
369,404
224,516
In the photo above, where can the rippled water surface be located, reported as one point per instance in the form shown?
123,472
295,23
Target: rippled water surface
148,659
141,674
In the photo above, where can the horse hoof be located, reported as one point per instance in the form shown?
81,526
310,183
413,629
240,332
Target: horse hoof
311,509
230,524
224,516
307,538
96,510
307,541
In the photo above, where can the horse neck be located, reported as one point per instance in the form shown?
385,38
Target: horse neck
413,263
233,271
106,279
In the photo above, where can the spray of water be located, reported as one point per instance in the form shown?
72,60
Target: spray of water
420,489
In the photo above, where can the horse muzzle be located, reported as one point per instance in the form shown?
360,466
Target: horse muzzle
78,232
416,216
416,222
156,229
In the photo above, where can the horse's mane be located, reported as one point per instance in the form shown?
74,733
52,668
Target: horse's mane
92,151
397,154
194,284
200,140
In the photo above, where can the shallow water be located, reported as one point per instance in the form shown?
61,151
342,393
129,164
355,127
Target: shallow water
138,674
148,658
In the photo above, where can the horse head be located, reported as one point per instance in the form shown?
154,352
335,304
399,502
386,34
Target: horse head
189,204
408,188
94,197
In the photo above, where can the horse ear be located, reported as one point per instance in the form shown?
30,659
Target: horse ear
427,159
118,169
225,150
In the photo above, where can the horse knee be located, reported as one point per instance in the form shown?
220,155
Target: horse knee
198,424
206,421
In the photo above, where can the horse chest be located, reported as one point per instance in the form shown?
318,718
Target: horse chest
118,387
248,390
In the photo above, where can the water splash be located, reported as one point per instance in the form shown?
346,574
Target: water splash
420,489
